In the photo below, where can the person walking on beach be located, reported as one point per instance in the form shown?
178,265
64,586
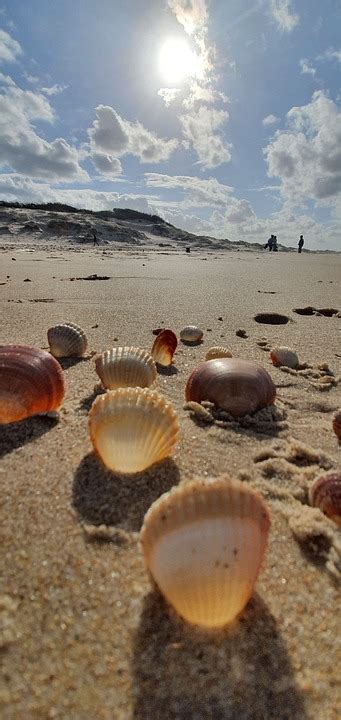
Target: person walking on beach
274,244
300,243
95,239
269,244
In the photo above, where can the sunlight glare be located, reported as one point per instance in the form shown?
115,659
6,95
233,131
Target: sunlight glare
177,61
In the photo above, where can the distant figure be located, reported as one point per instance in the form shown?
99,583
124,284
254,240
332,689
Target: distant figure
274,244
188,249
300,243
270,243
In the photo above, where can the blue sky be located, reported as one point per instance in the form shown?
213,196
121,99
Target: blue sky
222,116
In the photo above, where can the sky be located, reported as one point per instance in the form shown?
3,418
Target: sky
221,116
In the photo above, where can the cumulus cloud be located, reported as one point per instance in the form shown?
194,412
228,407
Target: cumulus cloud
22,149
198,192
106,164
191,14
283,14
307,156
168,95
306,68
112,134
270,120
199,131
9,48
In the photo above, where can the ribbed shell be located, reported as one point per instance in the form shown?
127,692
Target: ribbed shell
131,429
31,382
164,347
203,543
238,386
217,352
126,367
337,425
67,340
191,334
284,356
325,493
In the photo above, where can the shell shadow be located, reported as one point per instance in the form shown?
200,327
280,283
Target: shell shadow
192,343
20,433
103,497
243,673
166,369
68,362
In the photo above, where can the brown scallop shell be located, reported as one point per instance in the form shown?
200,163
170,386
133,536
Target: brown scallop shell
238,386
67,340
325,493
337,425
281,355
31,382
203,543
164,347
218,351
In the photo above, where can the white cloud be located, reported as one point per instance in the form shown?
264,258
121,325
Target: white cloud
111,134
198,192
6,80
283,14
9,48
270,120
168,94
203,93
33,79
23,150
306,68
199,131
54,89
191,14
330,54
106,164
307,157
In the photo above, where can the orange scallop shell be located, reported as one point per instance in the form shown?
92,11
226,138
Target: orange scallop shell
238,386
325,493
164,347
337,425
31,382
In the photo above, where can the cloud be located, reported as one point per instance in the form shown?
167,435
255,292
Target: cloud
199,131
111,134
270,120
54,89
200,93
23,150
9,48
240,212
106,164
191,14
283,14
168,94
330,54
198,192
307,69
307,156
33,79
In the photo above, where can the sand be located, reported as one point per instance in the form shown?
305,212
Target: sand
84,634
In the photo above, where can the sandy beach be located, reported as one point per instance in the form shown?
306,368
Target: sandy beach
84,635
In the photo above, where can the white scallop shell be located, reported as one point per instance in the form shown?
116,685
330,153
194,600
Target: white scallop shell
66,340
203,543
132,428
126,367
191,334
217,352
284,356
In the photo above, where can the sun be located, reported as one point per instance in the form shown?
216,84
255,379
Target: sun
177,61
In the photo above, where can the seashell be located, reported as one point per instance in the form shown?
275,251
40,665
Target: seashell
191,334
126,367
131,429
31,382
238,386
164,347
217,352
203,543
337,425
325,493
284,356
66,340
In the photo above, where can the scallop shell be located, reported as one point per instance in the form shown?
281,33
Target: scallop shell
337,425
217,352
238,386
132,429
325,493
284,356
191,334
66,340
164,347
31,382
203,543
126,367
